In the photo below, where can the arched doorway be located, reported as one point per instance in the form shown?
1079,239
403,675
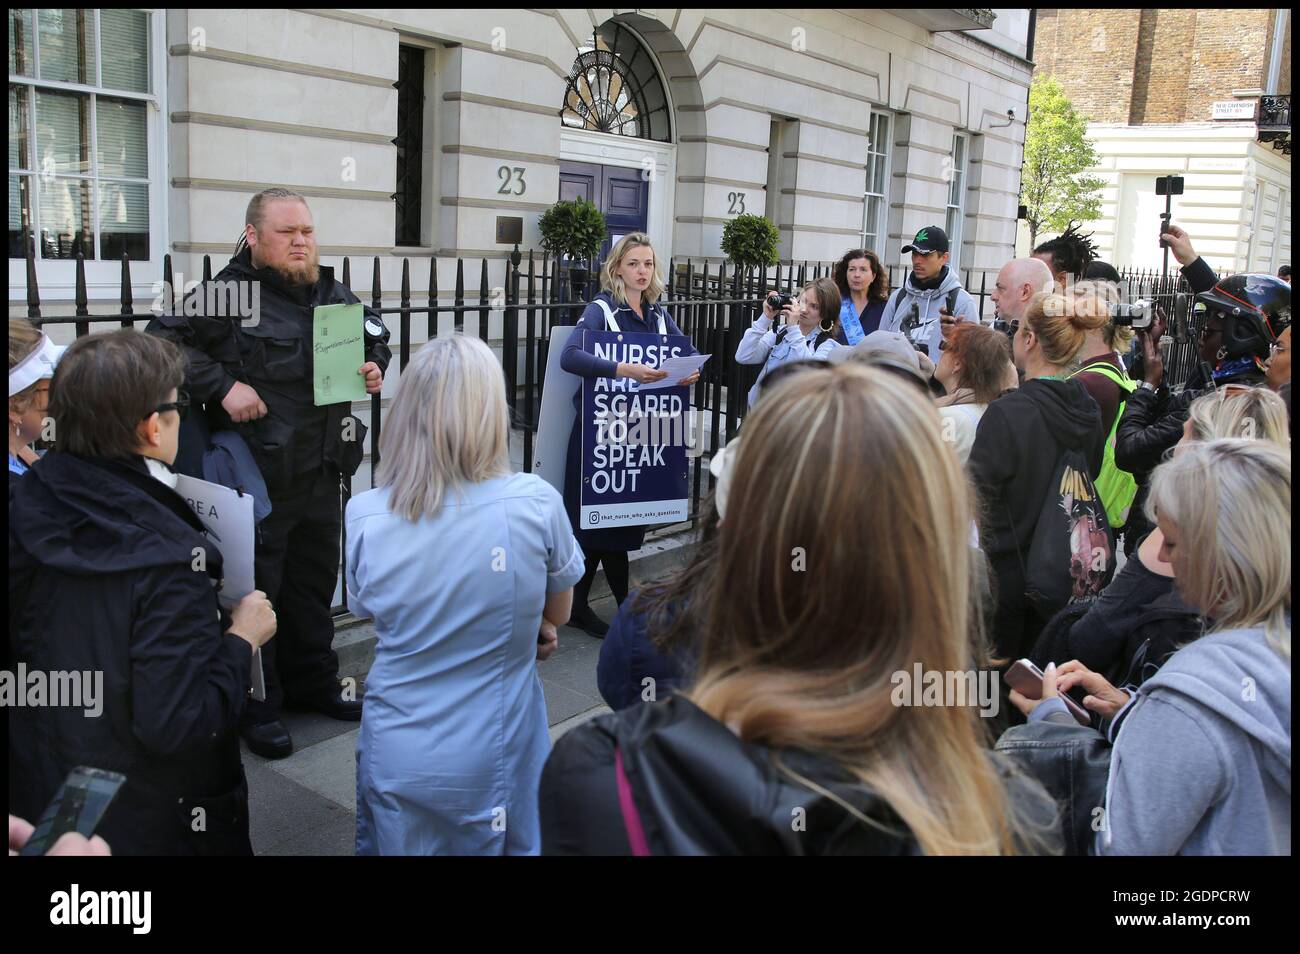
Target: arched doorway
616,144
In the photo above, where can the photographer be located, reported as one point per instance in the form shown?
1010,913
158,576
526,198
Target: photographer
1245,315
931,301
810,326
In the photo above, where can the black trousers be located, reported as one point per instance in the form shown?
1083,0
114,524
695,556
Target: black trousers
297,565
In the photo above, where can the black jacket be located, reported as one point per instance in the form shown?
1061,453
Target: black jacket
1072,762
102,579
1018,445
628,657
274,355
700,790
1127,633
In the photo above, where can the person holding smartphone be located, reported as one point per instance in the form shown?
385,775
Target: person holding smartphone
808,329
112,577
1203,762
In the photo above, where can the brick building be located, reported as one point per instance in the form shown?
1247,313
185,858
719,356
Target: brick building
1185,91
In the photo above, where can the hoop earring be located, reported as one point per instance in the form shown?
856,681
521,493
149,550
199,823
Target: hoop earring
828,329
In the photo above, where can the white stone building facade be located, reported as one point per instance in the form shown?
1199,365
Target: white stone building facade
844,127
1236,203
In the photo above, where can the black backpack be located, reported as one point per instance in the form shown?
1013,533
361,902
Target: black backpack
1071,555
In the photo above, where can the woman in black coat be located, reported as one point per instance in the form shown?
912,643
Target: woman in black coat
631,285
112,579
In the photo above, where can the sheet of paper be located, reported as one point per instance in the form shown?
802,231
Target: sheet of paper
677,369
338,349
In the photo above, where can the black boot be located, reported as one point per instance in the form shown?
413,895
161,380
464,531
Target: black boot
581,615
585,619
270,740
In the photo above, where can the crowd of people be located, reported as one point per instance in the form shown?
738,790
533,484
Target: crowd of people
913,490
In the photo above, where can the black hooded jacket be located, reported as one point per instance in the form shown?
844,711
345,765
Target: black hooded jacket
273,354
1018,445
105,576
700,790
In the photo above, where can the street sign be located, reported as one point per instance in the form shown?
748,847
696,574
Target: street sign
1233,109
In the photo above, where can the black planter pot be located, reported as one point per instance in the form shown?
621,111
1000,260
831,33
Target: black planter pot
578,282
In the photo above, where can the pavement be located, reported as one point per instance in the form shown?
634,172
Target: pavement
306,804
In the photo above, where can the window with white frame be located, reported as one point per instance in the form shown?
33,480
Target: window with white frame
956,175
84,168
875,204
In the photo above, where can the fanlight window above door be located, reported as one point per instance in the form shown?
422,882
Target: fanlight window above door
615,88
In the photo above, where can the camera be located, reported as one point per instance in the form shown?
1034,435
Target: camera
1137,315
776,301
1008,328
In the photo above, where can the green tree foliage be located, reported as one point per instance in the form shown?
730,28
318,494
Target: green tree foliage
1054,186
750,240
575,228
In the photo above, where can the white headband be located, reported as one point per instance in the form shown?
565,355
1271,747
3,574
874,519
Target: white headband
36,366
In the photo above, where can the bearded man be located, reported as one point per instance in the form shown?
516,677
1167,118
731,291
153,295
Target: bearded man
253,374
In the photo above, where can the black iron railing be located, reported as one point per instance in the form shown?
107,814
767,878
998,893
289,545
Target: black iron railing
1274,122
712,302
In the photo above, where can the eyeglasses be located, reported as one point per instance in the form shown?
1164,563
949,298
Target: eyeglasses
181,405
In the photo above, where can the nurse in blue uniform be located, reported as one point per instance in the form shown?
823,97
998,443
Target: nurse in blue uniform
631,283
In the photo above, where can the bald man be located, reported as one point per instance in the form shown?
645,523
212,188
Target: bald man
1020,280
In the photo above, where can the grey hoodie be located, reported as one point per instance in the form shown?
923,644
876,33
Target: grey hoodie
928,331
1202,763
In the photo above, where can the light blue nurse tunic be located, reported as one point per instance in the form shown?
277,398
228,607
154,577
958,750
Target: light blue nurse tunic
453,731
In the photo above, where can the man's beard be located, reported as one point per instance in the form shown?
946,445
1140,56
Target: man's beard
306,272
294,273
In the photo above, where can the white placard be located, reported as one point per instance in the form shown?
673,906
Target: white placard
1233,109
227,516
555,420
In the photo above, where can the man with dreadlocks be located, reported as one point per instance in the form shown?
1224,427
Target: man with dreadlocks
1068,256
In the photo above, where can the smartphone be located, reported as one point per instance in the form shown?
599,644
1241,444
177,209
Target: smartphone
1027,679
78,806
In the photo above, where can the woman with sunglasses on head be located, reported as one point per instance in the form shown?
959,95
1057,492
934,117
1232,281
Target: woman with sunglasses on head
111,572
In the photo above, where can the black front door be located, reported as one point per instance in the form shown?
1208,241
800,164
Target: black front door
620,193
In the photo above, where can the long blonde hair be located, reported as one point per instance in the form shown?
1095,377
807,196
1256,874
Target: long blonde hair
1230,500
798,645
448,424
609,279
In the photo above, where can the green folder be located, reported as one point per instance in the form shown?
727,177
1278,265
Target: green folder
338,349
